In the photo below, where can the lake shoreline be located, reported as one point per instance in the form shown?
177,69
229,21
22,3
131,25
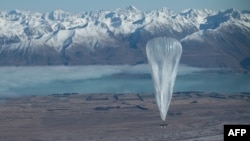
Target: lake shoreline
124,117
20,81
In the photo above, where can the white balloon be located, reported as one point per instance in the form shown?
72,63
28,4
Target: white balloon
163,56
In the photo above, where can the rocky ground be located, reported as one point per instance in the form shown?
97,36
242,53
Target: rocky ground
120,117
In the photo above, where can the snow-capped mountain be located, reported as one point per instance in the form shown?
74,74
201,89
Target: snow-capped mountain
209,38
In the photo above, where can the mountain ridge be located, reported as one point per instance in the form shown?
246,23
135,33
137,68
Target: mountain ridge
209,38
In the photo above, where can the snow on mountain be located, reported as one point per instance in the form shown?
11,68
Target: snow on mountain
223,19
58,26
92,36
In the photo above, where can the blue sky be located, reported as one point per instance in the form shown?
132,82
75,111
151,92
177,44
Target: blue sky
76,6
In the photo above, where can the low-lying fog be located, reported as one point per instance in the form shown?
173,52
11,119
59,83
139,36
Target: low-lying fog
44,80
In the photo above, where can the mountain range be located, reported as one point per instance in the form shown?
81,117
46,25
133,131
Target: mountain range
209,38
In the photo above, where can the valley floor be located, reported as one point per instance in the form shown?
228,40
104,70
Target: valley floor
120,117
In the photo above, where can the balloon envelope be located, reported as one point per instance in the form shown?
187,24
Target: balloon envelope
163,56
